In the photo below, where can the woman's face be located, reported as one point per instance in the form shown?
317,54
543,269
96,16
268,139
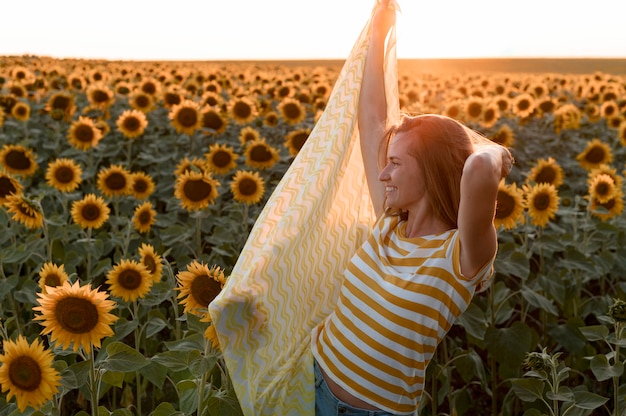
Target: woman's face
404,186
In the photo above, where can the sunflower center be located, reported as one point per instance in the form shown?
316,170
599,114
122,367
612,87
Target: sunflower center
131,123
299,140
222,159
248,186
84,133
541,202
52,280
145,217
64,174
505,206
595,155
76,315
149,88
187,117
546,175
204,289
150,264
603,188
489,115
21,111
292,111
116,181
142,101
212,120
242,110
260,154
90,212
172,99
6,187
60,103
474,109
100,96
25,373
140,186
523,105
197,190
17,160
129,279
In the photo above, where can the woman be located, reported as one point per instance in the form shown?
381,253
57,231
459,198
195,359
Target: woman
433,244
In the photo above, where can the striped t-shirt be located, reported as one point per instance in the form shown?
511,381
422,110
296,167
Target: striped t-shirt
399,298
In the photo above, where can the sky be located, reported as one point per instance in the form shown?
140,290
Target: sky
308,29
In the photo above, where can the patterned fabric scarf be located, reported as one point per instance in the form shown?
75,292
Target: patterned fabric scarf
288,275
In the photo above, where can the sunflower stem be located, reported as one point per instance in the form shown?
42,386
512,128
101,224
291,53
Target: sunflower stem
198,236
93,383
137,334
88,267
129,153
13,307
203,381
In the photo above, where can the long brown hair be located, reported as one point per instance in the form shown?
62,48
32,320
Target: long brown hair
440,146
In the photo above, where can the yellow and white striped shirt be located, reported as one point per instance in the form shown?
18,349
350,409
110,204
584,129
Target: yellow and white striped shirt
399,298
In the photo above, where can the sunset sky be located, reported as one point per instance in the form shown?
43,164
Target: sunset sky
301,29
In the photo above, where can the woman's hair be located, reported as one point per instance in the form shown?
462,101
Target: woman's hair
440,146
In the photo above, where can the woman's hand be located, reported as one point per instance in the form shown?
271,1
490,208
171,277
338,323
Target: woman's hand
385,16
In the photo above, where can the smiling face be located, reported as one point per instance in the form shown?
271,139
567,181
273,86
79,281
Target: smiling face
404,186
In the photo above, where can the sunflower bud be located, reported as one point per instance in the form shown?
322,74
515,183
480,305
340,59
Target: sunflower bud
617,311
57,114
534,361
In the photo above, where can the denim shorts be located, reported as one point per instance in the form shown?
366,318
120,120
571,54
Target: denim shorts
327,404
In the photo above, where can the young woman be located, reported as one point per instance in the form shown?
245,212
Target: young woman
433,184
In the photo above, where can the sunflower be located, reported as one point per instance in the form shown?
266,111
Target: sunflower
509,206
24,210
52,275
187,165
211,99
248,134
609,209
609,109
123,88
144,217
523,105
186,117
21,111
18,160
64,174
490,116
547,171
17,89
542,201
141,101
129,280
172,96
602,188
150,86
595,154
90,212
606,170
295,140
27,373
132,123
142,185
210,333
261,155
567,117
115,181
1,116
247,187
152,261
8,186
546,105
103,126
83,133
195,190
454,109
198,286
100,95
76,315
473,109
213,121
221,158
242,110
291,110
270,119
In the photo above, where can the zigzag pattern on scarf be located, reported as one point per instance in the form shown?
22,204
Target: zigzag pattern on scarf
288,276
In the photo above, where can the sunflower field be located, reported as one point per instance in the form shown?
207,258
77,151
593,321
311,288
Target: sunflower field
128,190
